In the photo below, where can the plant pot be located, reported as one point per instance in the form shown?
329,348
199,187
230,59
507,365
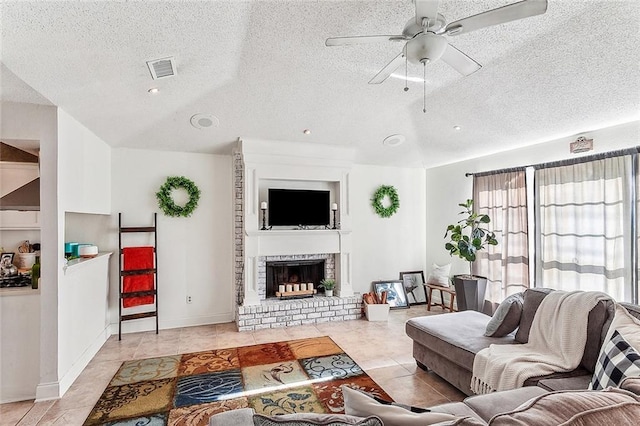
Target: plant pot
470,292
328,293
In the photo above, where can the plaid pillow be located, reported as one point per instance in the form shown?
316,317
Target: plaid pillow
618,360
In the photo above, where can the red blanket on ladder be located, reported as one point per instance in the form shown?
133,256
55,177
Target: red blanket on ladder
134,258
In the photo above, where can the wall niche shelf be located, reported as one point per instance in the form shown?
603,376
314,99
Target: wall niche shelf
75,264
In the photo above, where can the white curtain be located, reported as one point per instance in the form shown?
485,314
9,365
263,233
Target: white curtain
503,196
583,217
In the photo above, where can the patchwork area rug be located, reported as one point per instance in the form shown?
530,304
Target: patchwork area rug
295,376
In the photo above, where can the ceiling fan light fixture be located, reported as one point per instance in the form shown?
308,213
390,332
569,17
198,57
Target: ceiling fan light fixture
425,48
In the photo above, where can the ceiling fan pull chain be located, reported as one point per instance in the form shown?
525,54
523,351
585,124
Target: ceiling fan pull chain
424,87
406,66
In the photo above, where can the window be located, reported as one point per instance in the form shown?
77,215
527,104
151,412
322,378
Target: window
503,197
583,223
586,218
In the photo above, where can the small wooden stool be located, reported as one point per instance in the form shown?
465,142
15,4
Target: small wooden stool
449,290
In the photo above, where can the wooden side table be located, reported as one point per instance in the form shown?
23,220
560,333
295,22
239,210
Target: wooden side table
442,290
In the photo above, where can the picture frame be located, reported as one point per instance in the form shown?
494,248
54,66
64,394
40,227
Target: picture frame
6,260
412,281
396,296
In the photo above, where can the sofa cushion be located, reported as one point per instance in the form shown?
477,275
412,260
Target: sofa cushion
599,318
506,318
459,409
532,299
458,336
618,360
488,405
584,408
313,419
633,310
360,404
632,384
566,383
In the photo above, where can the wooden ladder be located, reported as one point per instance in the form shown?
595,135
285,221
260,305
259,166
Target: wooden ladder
122,295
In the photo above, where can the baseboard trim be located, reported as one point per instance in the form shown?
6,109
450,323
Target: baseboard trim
81,363
47,391
149,324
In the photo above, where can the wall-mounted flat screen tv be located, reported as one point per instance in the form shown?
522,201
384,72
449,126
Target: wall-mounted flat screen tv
293,207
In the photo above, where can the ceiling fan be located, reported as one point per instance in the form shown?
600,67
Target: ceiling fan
425,34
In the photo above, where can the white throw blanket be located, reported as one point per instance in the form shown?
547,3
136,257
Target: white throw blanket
556,344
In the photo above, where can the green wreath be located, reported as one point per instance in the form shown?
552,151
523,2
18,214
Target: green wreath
380,194
166,203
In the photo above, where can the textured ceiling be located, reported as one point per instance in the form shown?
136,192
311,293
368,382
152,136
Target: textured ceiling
262,68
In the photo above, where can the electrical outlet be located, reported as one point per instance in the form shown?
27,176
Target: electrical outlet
188,299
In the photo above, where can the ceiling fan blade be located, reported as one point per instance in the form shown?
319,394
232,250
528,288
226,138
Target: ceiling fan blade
508,13
426,9
388,70
347,41
459,61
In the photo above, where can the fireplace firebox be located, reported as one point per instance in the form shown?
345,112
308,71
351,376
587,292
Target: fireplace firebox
291,272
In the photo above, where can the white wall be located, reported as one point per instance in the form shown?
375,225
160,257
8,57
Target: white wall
195,253
447,185
84,186
384,247
84,168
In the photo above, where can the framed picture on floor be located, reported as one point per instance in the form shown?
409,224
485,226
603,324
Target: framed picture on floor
413,281
396,296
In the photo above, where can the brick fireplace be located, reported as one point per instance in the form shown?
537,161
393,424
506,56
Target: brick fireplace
258,166
276,270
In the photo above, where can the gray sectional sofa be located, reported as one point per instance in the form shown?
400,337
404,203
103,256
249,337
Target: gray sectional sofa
448,343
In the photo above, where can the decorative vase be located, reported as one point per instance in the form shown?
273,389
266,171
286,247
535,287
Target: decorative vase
470,292
328,293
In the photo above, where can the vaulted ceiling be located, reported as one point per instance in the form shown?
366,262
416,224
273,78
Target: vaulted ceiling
262,68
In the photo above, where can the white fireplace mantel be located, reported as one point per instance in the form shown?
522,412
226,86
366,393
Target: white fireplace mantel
266,161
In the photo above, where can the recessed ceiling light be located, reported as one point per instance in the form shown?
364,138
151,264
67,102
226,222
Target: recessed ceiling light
153,90
393,140
457,128
204,121
306,131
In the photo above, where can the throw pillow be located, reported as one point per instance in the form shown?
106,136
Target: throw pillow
584,408
627,325
617,361
532,299
359,404
440,275
312,419
507,316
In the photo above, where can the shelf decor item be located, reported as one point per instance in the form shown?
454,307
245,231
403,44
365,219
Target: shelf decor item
166,203
328,284
465,239
263,207
334,209
379,196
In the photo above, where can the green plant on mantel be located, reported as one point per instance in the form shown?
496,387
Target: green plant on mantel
469,235
328,283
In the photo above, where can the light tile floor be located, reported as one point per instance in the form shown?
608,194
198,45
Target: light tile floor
382,349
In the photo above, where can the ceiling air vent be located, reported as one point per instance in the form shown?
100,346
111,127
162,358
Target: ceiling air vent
161,68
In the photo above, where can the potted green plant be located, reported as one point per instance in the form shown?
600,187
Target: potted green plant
468,236
328,284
